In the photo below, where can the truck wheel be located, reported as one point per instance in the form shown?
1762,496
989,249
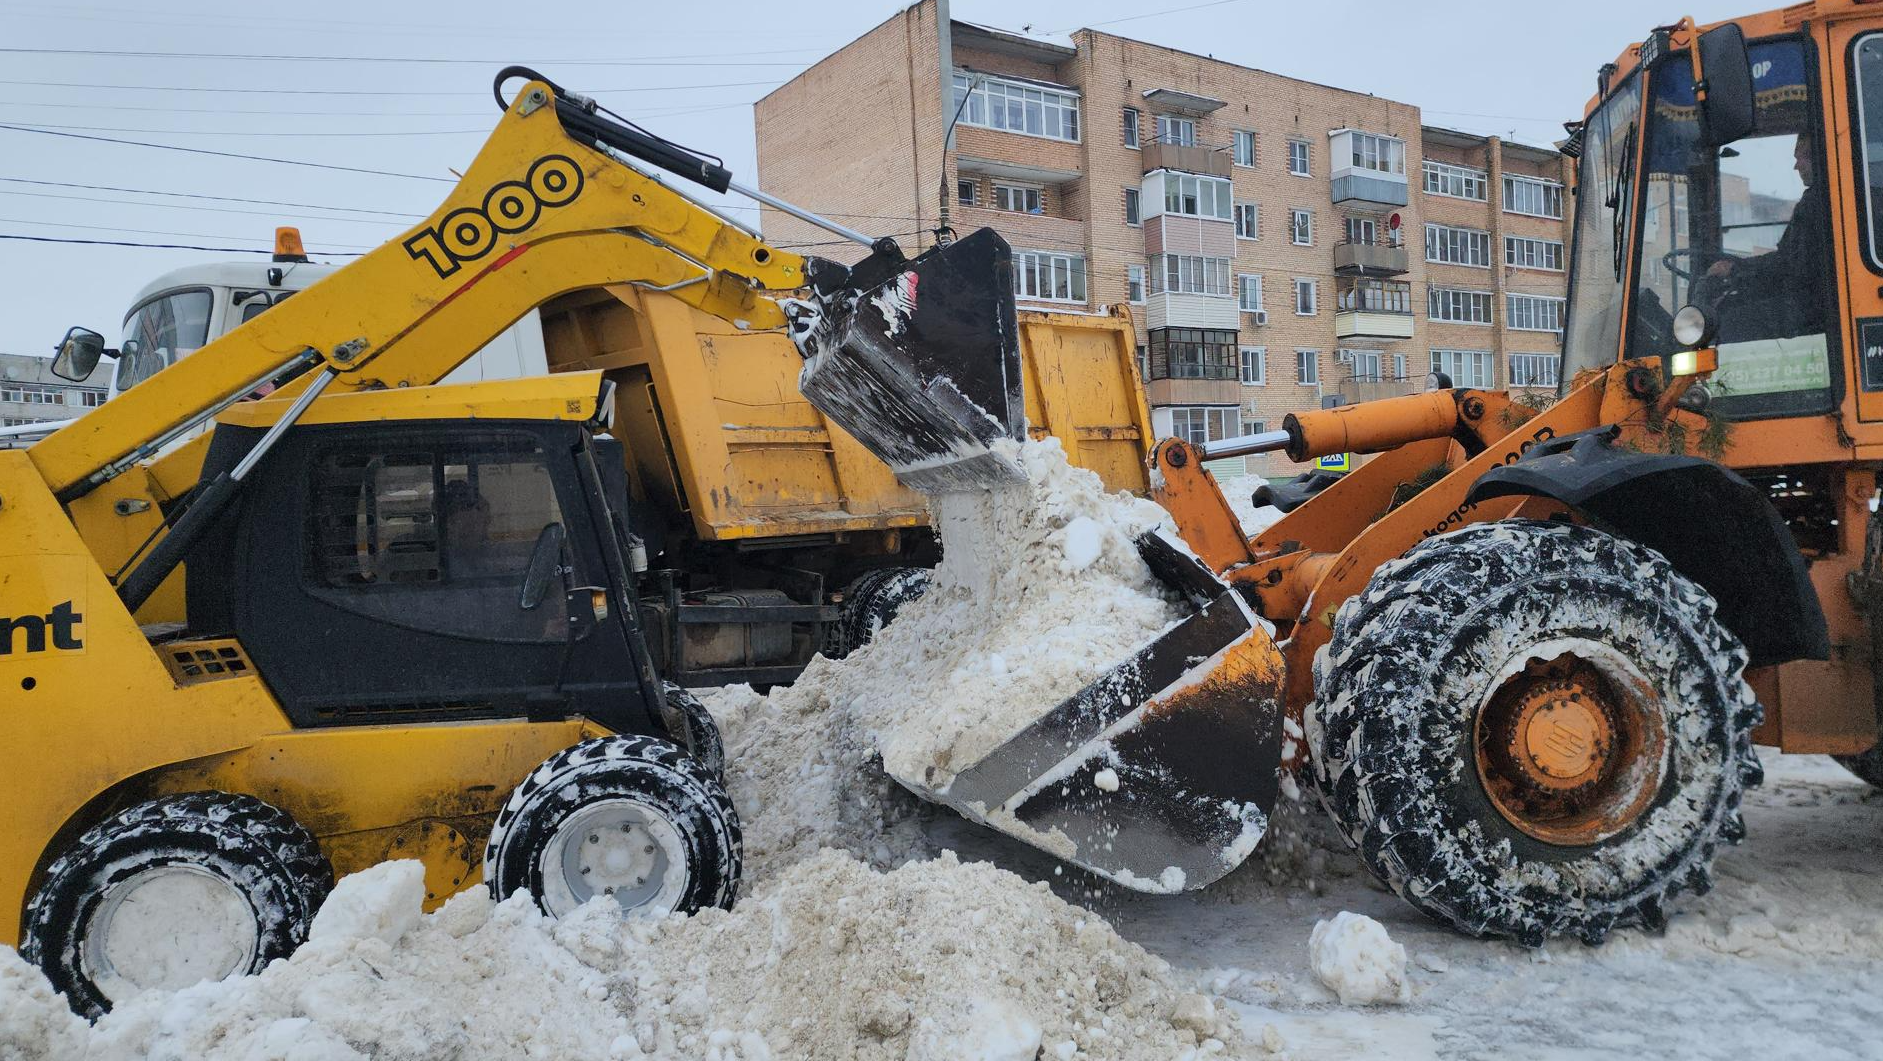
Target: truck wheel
172,892
1534,729
702,733
873,599
1868,766
629,817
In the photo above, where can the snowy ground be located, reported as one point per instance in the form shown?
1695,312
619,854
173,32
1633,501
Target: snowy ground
1236,490
1783,960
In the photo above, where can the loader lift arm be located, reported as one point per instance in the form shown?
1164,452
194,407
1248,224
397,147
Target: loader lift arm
542,210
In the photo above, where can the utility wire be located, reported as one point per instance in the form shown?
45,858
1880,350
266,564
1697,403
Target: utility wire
226,154
160,246
381,222
198,195
483,93
428,60
140,231
43,127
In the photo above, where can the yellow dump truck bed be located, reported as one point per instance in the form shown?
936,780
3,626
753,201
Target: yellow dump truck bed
716,428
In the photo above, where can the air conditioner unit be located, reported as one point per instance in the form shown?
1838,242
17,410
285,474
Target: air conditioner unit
1261,317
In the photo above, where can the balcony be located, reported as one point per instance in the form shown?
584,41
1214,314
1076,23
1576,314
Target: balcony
1373,309
1368,170
1373,258
1175,309
1186,158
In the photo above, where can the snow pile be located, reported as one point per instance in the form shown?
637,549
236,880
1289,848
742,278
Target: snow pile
1040,590
833,961
1357,960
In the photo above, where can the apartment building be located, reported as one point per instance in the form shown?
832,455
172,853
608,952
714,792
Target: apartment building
31,394
1282,245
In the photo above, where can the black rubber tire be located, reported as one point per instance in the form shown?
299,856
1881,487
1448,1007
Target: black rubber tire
873,599
702,733
1399,688
256,848
1868,766
652,771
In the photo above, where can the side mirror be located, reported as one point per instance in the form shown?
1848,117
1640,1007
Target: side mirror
78,354
1728,110
545,567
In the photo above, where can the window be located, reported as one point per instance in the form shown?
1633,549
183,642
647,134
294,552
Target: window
1399,366
1244,147
1533,196
1298,158
1018,107
1049,277
1132,213
1457,246
1366,364
1526,253
1144,362
967,192
1254,366
24,421
1020,200
1249,292
1194,353
89,399
30,394
1248,221
1194,196
160,331
1375,296
1533,370
1301,226
1134,283
1131,127
1254,427
1305,295
1197,424
1362,230
1188,274
1457,182
1381,154
440,534
1467,368
1308,367
1181,131
1533,313
1458,306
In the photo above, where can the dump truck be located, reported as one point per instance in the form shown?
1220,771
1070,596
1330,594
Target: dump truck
1523,653
368,616
767,533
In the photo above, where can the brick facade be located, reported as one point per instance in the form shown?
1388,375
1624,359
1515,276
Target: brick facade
859,134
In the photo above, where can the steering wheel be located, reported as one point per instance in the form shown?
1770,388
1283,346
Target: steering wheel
1672,259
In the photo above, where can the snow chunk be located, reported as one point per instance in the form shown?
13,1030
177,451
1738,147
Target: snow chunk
384,903
34,1022
1106,780
1357,960
1082,543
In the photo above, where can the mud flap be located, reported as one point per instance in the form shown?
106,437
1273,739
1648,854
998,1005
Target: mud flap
919,360
1189,730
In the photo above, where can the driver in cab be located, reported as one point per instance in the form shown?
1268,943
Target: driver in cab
1793,273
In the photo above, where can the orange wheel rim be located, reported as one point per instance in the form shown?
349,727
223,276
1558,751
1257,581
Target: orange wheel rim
1570,752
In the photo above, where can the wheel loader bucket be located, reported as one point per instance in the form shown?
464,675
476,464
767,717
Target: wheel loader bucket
1161,774
920,360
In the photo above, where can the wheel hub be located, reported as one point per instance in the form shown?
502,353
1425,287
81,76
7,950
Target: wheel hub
168,927
1569,749
619,848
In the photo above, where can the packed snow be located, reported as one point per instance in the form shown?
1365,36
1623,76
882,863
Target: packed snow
859,935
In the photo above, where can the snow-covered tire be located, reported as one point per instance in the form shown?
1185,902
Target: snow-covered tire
702,733
629,816
216,863
1868,766
1432,649
873,599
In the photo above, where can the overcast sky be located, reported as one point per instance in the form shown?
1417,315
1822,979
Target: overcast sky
419,73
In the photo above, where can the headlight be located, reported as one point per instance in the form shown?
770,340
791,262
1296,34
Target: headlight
1691,327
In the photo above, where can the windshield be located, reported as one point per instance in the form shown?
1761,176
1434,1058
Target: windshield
1743,232
160,331
1595,284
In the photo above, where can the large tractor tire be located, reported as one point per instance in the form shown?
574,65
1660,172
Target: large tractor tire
1534,729
872,600
703,739
1868,766
171,892
628,817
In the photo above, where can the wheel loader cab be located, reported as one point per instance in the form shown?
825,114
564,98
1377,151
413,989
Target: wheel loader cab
472,562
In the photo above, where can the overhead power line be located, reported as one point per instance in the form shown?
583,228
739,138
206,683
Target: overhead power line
428,60
199,195
226,154
43,127
482,93
382,222
141,231
161,246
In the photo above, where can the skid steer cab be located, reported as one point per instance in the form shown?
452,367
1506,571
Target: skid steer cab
253,645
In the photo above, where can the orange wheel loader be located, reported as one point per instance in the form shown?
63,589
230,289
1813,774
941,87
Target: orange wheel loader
1524,653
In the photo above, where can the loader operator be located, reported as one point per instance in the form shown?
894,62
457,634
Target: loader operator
1789,277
